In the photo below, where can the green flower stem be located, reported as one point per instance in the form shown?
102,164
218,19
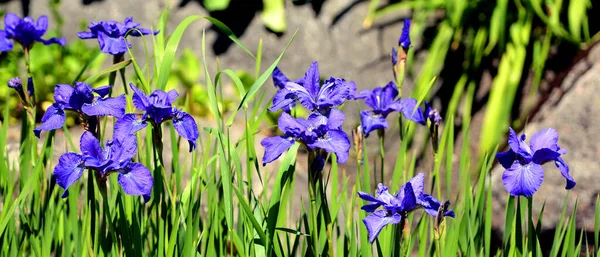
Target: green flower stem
405,235
318,196
396,238
531,228
28,142
313,211
113,75
381,134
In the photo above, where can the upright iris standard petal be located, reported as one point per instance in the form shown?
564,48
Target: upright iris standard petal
106,106
275,147
517,144
186,126
122,151
409,199
136,179
417,184
334,141
63,93
312,80
377,220
128,125
90,146
69,169
139,98
546,138
523,179
54,118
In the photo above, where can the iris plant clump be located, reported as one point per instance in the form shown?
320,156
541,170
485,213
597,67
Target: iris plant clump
25,31
111,34
320,133
523,163
397,207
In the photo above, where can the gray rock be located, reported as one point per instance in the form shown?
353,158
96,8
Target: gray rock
573,111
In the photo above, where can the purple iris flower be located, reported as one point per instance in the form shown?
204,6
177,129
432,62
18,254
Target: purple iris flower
316,132
82,99
383,101
404,40
397,207
311,94
134,178
284,97
158,107
523,163
111,34
25,32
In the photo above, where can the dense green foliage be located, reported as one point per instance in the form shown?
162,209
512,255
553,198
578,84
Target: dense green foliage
220,201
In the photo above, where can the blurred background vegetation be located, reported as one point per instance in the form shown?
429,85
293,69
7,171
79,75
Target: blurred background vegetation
503,48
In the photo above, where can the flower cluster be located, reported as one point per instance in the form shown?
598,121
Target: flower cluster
322,129
111,34
397,207
25,32
157,107
134,178
88,102
523,163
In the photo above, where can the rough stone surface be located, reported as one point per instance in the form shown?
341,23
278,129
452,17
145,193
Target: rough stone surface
573,111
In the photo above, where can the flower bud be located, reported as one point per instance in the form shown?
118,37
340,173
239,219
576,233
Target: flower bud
15,83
